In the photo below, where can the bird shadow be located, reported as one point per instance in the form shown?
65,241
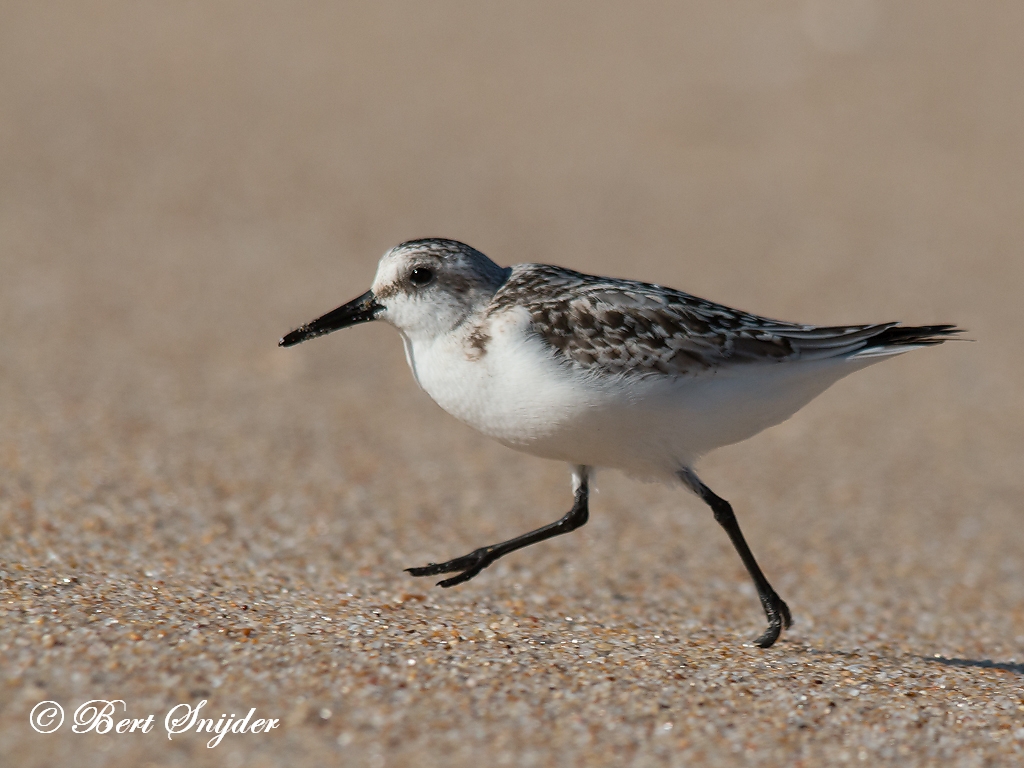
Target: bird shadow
946,661
1017,669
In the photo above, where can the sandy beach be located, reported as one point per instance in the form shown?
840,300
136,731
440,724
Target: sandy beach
189,513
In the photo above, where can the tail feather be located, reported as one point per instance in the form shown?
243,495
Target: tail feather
920,335
895,339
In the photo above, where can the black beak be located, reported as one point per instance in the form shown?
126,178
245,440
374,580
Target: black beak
361,310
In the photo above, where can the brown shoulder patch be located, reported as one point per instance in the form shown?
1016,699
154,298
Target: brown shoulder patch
478,340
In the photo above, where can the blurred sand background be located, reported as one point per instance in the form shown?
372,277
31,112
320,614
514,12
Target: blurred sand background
188,512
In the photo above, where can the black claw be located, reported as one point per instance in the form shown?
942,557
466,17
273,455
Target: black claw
767,640
424,570
470,565
778,618
464,576
433,569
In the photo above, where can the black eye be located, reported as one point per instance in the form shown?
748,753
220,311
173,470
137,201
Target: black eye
421,276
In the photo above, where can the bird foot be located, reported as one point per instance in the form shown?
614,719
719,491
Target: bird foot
779,618
470,565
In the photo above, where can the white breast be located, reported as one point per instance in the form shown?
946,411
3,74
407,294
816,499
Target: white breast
512,389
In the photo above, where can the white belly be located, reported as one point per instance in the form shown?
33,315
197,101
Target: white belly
520,394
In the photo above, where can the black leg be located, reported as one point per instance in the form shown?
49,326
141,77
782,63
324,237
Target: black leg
774,607
478,559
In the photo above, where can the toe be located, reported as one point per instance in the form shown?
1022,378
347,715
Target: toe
767,640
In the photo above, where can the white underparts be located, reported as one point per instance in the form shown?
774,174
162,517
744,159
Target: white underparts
520,392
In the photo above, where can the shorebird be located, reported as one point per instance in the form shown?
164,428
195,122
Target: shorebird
602,372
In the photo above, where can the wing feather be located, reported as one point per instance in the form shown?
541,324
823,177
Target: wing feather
628,327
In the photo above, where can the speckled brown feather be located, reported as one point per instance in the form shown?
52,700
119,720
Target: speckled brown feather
612,326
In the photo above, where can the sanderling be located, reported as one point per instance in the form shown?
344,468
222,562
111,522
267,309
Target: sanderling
602,372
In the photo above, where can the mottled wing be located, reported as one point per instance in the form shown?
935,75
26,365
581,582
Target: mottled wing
623,326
